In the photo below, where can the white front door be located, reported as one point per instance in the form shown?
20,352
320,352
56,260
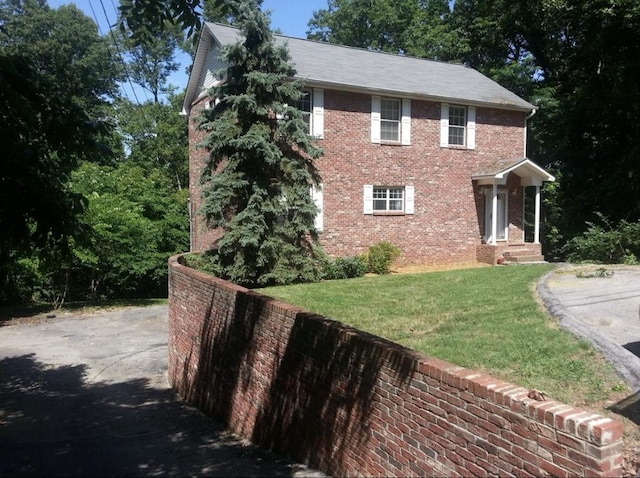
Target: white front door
501,216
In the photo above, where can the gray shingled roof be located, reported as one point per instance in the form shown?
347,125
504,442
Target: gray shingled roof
340,67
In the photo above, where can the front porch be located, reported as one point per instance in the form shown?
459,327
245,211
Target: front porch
503,210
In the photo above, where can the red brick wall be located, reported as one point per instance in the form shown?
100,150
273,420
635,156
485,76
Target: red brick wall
202,237
349,403
448,221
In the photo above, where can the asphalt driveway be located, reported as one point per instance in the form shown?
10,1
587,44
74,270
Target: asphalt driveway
87,395
600,304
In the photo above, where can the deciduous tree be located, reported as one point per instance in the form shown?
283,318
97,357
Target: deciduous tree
55,76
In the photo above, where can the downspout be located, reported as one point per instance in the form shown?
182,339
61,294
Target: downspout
190,225
526,120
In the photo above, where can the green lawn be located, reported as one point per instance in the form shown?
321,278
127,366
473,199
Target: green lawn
487,319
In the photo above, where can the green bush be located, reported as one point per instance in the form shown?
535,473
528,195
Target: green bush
605,244
380,257
345,267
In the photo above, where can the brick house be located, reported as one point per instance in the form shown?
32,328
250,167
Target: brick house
427,155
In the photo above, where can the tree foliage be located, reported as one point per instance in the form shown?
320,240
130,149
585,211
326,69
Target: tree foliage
257,183
55,73
150,63
79,217
135,220
156,137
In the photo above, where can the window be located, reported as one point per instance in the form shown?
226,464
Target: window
304,105
458,126
390,120
388,199
311,104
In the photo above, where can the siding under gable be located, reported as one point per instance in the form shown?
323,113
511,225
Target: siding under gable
211,66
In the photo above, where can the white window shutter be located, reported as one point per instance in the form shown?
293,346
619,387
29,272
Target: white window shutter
406,122
316,195
444,125
318,113
471,127
368,199
409,199
375,119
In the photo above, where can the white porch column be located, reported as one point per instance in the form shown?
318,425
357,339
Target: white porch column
494,214
536,231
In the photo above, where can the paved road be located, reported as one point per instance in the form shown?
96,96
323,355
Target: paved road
86,395
601,304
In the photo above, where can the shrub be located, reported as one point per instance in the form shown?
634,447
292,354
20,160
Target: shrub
380,257
605,244
202,261
345,267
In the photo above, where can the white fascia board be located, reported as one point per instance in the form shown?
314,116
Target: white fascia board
191,93
534,171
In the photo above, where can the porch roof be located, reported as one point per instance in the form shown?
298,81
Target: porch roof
530,173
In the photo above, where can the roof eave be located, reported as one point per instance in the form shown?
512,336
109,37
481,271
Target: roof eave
199,59
525,108
526,164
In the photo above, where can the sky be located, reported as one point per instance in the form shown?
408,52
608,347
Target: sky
289,16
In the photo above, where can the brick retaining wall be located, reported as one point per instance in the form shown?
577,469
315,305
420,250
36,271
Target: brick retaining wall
350,403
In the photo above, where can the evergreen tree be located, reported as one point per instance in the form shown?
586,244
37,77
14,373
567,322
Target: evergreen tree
257,183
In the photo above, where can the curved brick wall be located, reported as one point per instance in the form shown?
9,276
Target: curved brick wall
350,403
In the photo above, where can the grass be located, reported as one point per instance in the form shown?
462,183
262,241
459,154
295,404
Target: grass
486,319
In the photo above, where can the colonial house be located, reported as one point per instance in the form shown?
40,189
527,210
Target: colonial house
427,155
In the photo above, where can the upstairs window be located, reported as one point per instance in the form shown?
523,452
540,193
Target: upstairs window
458,126
390,120
304,105
311,104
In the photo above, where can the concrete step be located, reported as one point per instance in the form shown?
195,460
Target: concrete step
520,259
521,252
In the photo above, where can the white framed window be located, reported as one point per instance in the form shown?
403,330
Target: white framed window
311,104
457,126
304,105
390,120
388,199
